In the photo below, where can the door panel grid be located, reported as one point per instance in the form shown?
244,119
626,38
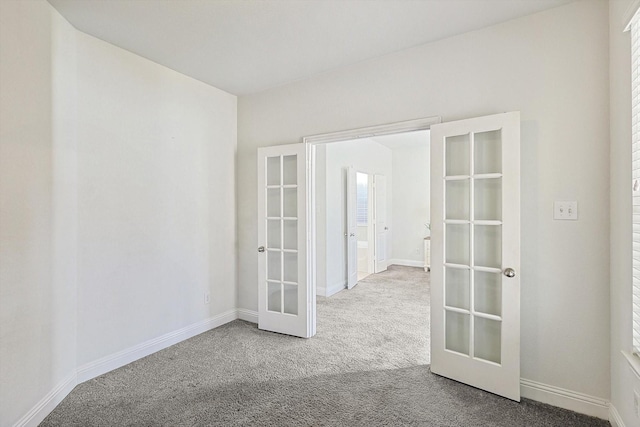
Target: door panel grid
472,245
281,192
286,293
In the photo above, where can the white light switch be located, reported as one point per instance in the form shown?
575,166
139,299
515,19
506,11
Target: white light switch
565,210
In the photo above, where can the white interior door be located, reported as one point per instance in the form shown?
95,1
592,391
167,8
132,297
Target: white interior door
352,229
285,302
380,222
475,252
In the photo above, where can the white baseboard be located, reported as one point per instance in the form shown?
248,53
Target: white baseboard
47,404
406,262
124,357
321,291
248,315
544,393
101,366
614,417
335,288
567,399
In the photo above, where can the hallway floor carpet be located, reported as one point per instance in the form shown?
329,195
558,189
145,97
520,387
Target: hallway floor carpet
367,366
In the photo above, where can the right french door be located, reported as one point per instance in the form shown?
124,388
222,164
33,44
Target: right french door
475,260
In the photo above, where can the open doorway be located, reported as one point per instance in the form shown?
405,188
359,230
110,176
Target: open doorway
363,217
292,226
388,220
372,207
473,170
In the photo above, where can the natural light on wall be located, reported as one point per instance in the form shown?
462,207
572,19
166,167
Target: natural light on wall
635,134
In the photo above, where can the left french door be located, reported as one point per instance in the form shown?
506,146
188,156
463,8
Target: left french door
285,298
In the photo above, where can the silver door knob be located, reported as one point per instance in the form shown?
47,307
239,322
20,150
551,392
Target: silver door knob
352,234
261,249
509,272
386,228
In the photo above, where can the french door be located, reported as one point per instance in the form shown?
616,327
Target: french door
475,237
286,304
380,223
352,229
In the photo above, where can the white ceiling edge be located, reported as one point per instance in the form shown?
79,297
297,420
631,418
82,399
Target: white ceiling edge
245,47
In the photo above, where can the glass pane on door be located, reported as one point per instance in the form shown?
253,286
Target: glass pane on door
281,226
290,202
457,160
290,234
473,244
290,170
488,152
273,234
274,265
488,199
458,288
274,296
290,267
273,202
488,293
457,244
291,299
457,332
487,244
486,341
458,201
273,170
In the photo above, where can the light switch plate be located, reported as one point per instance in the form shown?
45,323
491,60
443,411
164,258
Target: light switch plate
565,210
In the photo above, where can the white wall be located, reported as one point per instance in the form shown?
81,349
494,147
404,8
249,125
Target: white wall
410,203
117,205
38,192
551,66
622,380
156,200
366,156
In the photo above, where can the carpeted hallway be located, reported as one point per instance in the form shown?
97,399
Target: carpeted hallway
367,366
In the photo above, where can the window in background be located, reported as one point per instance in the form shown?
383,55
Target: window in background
362,198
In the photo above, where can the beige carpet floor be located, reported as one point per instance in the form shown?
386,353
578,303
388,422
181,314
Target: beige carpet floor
367,366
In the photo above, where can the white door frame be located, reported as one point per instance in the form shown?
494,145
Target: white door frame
367,132
371,235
